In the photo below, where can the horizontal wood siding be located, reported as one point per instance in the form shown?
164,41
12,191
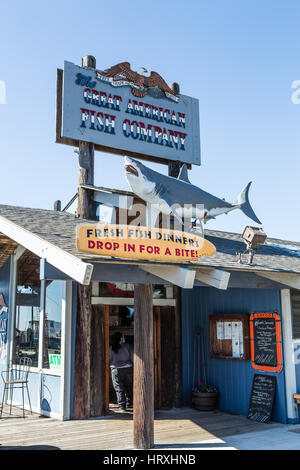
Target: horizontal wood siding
233,378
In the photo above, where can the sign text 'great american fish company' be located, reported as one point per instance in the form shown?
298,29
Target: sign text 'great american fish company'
126,112
143,243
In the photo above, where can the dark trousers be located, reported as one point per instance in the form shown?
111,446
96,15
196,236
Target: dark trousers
122,380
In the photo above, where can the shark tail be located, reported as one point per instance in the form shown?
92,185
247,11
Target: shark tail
244,204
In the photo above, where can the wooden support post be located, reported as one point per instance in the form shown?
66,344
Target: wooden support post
105,384
85,176
99,357
173,166
82,376
178,349
85,400
86,165
143,383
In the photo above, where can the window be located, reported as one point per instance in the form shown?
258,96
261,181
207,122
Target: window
31,300
229,336
28,294
27,323
52,325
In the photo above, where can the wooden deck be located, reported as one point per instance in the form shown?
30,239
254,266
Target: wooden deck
182,428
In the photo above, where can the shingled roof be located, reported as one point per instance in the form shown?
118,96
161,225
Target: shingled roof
58,229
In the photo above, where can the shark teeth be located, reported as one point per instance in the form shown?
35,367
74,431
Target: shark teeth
130,169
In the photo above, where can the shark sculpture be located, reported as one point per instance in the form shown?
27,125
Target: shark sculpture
179,196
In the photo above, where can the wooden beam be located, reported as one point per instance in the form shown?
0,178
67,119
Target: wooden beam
107,370
82,376
157,358
143,382
85,175
181,277
287,279
85,400
213,277
178,349
99,358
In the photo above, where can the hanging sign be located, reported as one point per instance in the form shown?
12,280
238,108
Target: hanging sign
143,243
125,112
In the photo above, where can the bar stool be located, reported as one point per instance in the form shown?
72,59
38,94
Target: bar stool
16,376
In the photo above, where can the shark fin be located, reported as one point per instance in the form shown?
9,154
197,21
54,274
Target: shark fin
177,217
171,203
183,174
244,204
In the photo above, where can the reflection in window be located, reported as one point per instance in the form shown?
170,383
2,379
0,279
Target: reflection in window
52,325
27,314
27,323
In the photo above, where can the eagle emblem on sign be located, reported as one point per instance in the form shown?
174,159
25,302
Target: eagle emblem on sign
141,85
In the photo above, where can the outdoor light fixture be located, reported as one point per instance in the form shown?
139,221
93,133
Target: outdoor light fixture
253,237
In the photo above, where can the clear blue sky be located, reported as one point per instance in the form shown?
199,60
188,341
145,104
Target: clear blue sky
238,57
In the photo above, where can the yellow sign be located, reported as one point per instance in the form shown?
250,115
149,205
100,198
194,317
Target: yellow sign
144,243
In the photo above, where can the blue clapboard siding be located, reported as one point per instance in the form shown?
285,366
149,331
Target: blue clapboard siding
50,399
233,378
32,389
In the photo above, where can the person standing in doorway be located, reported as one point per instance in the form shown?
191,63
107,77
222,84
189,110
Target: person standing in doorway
121,366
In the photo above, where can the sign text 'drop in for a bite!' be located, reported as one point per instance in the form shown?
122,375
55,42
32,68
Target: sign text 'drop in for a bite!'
133,242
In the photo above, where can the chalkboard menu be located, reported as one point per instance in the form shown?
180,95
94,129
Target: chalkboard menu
262,398
265,342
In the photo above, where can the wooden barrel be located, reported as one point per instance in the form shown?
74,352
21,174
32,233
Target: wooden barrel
204,401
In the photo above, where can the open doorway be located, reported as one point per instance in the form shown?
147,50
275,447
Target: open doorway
121,320
118,300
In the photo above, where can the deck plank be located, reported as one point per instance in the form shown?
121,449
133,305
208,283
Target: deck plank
171,427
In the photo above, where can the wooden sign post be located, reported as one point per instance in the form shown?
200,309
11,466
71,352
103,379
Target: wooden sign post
143,386
173,170
82,376
143,382
95,111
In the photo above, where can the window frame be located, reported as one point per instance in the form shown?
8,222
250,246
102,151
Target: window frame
66,337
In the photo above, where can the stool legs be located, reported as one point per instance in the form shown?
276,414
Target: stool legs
10,389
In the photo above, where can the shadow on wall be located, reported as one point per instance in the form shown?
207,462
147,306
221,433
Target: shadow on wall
46,405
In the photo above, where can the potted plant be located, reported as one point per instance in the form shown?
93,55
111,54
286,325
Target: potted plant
205,397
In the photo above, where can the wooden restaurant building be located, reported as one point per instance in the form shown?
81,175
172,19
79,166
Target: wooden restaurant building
223,320
41,280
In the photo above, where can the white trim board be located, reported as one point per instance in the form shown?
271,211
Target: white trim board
288,349
130,301
66,352
181,277
65,262
288,279
213,277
